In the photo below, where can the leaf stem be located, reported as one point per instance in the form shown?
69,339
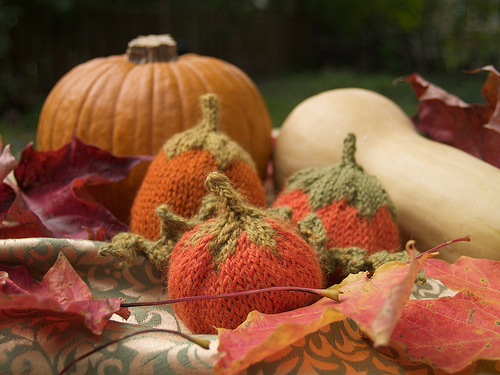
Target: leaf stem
198,341
434,249
329,293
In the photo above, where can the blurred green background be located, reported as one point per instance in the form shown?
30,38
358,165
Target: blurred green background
292,49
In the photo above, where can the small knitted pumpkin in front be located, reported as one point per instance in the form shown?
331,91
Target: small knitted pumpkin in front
352,207
177,174
242,248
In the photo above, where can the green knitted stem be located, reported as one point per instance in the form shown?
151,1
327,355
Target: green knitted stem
127,246
233,218
381,257
349,152
314,233
284,213
206,136
349,260
346,180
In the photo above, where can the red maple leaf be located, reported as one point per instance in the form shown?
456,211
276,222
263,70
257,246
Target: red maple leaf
449,333
60,290
473,128
51,198
374,303
453,332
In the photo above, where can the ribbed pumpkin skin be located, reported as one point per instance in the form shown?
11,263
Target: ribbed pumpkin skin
132,109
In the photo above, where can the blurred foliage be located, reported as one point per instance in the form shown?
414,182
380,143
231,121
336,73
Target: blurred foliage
385,35
353,18
283,93
389,36
8,17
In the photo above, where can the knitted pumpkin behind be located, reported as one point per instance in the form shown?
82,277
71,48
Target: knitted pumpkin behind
176,176
349,205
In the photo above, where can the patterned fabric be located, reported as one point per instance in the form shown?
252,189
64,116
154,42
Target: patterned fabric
46,343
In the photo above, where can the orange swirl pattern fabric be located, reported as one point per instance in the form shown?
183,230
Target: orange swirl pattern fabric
45,343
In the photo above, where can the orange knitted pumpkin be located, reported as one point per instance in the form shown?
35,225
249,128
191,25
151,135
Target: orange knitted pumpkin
131,104
239,248
177,174
354,211
242,248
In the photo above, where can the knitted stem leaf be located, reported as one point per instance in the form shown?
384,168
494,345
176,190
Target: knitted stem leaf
312,230
171,230
234,216
347,181
211,111
207,136
229,200
172,226
349,151
126,246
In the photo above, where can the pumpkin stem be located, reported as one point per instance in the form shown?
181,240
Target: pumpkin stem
349,151
234,216
152,48
211,111
230,201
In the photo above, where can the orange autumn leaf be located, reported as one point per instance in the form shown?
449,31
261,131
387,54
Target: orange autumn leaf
262,335
373,303
376,303
453,332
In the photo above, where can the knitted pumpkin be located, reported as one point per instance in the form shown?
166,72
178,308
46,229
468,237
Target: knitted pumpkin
242,248
176,175
350,207
229,246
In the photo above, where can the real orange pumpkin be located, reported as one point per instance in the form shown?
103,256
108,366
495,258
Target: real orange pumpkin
131,104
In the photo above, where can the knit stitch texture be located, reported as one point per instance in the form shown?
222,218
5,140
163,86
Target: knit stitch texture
352,206
177,174
242,248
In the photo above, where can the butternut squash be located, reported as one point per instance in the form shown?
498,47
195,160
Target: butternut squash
441,193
